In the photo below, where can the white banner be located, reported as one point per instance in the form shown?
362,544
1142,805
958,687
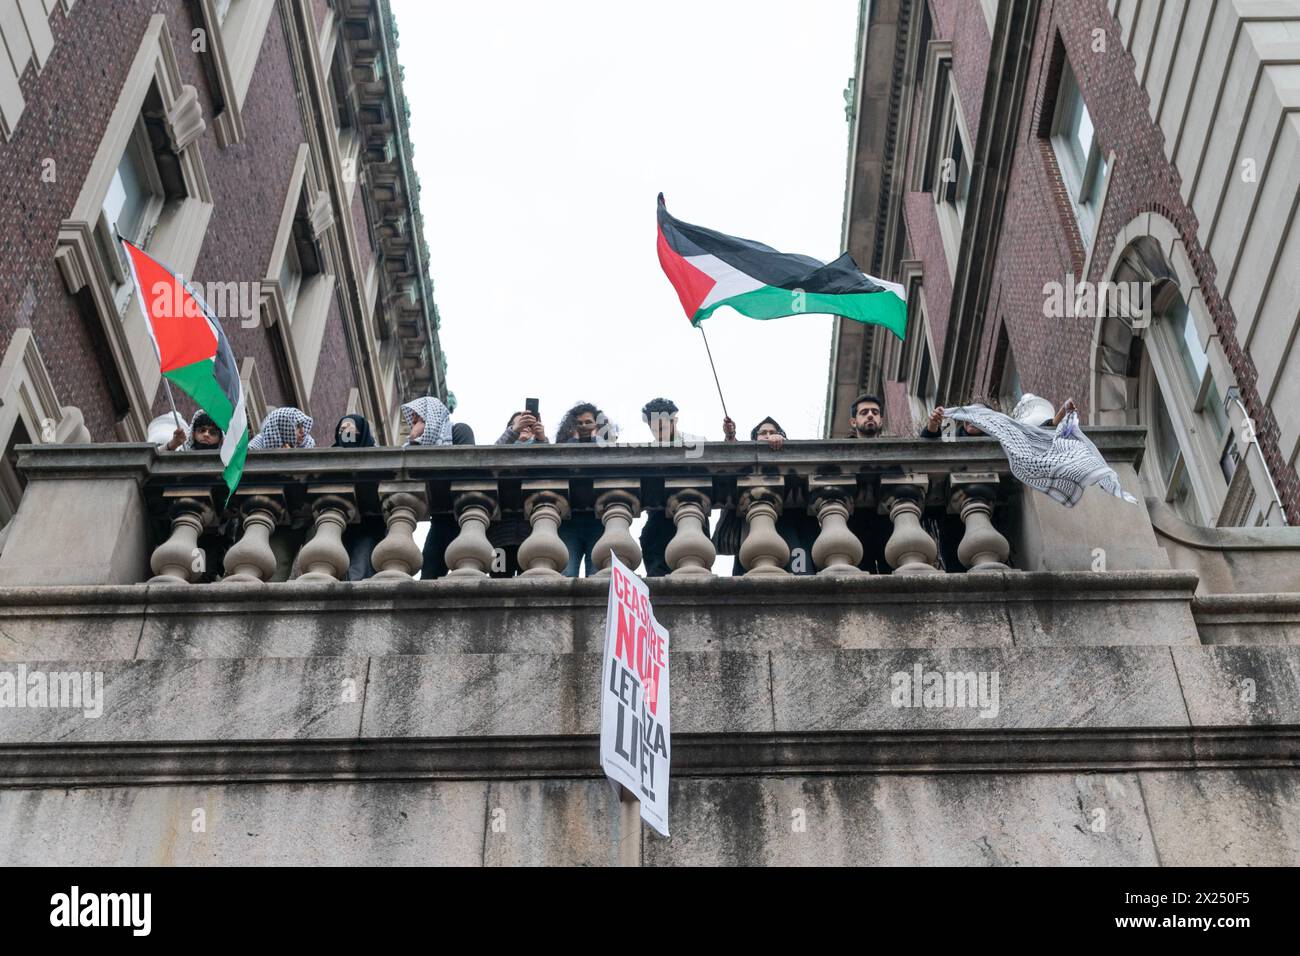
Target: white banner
635,729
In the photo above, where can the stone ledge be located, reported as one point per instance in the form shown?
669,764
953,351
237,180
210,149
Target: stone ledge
694,755
561,615
470,696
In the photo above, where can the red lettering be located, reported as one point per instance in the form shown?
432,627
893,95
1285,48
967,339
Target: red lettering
625,641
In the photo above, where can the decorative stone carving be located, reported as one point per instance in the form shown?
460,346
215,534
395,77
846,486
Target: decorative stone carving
909,549
763,551
185,121
470,554
174,561
617,510
398,557
982,548
837,550
543,554
690,551
251,557
324,558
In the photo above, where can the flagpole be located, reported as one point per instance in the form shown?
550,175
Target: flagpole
172,402
709,351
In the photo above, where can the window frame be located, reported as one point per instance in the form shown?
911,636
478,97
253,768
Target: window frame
1085,176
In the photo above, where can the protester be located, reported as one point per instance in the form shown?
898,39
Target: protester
660,416
428,421
204,435
507,534
867,417
795,525
353,431
285,427
584,423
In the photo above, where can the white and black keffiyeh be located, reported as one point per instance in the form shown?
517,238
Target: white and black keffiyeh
280,428
1059,462
436,418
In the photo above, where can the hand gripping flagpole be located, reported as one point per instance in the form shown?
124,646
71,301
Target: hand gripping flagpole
709,351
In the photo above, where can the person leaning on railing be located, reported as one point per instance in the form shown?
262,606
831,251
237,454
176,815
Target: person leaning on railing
205,435
795,525
507,534
660,416
353,431
585,423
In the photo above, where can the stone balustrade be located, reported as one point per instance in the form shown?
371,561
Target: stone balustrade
124,514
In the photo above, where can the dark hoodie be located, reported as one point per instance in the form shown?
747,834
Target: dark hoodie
363,439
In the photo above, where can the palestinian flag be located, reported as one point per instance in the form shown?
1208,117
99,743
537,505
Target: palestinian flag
709,269
194,353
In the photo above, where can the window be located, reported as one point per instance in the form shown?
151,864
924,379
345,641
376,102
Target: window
235,30
345,125
1078,153
291,278
916,364
131,208
146,177
1005,376
1190,435
945,167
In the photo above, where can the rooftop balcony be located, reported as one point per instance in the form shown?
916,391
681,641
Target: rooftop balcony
1131,667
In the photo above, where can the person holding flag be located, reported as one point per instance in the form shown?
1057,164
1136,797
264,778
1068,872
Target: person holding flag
193,352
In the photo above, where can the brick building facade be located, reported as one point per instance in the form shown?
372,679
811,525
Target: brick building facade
258,146
1001,153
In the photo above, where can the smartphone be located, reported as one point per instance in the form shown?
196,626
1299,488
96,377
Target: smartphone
531,406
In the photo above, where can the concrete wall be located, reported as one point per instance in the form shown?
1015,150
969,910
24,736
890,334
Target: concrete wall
440,722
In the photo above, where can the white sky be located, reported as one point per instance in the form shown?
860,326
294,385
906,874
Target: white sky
542,134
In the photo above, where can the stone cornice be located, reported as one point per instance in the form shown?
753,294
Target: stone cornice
694,755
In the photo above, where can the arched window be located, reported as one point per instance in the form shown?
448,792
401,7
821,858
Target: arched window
1154,367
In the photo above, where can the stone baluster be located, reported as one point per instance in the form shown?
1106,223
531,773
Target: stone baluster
837,550
763,551
982,548
617,509
909,549
398,557
470,554
324,558
179,560
543,554
251,557
690,552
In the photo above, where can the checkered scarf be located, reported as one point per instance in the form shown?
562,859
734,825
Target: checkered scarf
1060,463
437,420
281,428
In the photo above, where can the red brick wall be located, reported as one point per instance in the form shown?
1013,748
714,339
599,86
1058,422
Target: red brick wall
67,112
1040,240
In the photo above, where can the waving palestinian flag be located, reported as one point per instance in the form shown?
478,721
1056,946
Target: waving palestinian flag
194,353
709,269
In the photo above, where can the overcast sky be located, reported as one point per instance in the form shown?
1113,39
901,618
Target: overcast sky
542,134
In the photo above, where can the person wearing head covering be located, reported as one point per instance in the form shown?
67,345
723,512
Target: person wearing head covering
285,427
428,420
353,431
203,434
